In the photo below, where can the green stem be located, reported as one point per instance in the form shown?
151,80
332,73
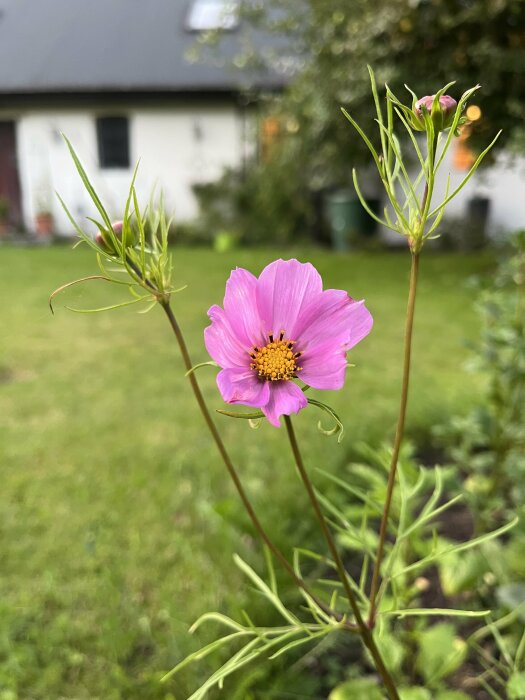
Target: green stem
409,324
232,470
364,630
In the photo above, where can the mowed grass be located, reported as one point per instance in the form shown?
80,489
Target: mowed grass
117,520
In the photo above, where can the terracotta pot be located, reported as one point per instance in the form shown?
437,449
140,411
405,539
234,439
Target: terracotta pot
4,227
44,224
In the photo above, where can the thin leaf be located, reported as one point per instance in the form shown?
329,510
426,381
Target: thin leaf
430,516
467,177
71,284
413,139
365,139
87,184
448,612
299,642
365,205
520,653
84,237
463,546
395,146
379,112
488,689
108,308
142,233
459,109
198,366
347,528
266,591
233,414
362,495
271,569
502,645
240,659
201,654
216,617
439,217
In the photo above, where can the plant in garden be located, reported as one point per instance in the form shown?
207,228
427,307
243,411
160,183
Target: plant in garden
485,448
283,327
488,444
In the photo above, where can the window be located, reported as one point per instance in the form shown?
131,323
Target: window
205,15
113,142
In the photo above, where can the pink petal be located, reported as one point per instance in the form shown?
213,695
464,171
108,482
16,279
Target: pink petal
222,343
285,398
284,289
333,317
243,386
324,367
240,305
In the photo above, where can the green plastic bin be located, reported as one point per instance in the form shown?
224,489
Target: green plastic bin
347,219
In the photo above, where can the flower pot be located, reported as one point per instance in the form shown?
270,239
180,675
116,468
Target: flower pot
44,225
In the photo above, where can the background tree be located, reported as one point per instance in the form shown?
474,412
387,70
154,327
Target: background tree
324,46
425,43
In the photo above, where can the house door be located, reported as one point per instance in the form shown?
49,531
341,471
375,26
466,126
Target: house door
9,182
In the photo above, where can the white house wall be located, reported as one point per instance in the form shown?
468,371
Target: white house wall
178,147
503,184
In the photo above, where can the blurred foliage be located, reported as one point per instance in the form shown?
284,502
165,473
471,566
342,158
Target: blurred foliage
321,49
269,203
426,652
488,444
487,448
424,43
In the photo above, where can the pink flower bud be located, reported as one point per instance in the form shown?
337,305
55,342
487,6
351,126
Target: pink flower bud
442,114
104,241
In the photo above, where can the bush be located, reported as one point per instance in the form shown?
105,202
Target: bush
488,443
267,204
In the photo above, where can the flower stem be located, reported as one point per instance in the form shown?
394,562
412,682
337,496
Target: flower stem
232,470
364,630
409,324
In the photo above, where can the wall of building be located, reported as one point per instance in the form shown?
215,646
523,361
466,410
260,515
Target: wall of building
503,184
178,147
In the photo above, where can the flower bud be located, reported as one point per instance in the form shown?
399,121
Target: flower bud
442,113
103,239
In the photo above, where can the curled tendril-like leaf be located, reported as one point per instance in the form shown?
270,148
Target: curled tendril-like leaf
255,423
201,364
89,278
112,307
338,428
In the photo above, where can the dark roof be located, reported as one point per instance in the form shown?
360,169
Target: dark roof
111,46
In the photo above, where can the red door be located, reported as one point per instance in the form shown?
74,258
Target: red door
9,182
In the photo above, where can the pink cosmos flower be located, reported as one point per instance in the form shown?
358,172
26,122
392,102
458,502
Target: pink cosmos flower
280,327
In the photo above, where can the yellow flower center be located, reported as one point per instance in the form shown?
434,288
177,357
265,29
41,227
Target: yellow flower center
276,360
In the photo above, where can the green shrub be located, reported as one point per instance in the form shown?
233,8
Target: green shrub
269,203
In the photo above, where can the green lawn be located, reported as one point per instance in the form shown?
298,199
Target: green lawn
117,522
